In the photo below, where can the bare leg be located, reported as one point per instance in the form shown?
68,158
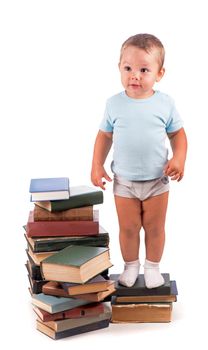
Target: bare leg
129,217
154,213
153,220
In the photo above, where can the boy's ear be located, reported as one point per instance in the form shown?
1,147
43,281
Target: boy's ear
160,74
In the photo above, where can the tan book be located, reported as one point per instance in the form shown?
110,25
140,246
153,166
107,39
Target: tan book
75,214
141,313
99,296
96,284
146,299
38,257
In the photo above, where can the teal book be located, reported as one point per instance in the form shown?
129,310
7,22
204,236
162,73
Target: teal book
76,264
80,196
54,304
43,189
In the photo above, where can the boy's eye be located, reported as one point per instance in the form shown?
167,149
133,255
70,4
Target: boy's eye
144,70
127,68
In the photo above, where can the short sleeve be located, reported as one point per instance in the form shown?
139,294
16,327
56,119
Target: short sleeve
174,122
107,122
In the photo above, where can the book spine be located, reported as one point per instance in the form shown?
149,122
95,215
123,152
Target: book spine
62,228
76,214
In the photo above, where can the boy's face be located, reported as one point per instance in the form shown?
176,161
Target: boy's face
139,71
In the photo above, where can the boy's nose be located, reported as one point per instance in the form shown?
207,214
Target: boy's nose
135,75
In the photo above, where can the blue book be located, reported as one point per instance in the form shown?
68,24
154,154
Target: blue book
46,189
53,304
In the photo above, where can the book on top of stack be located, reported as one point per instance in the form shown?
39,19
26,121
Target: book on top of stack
68,258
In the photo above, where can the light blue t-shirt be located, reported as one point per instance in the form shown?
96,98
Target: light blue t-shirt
140,128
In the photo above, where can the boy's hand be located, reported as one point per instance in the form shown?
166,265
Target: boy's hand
175,169
97,176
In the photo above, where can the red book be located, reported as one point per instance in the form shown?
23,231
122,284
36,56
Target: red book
78,312
62,228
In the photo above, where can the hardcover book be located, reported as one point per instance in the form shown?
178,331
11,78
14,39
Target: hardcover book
44,189
96,284
54,304
99,296
76,264
172,297
74,331
44,244
75,214
143,312
80,196
70,323
139,287
62,228
93,309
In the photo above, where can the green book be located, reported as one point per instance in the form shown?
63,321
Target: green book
139,287
47,244
76,264
54,304
80,196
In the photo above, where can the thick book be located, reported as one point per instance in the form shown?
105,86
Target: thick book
80,196
75,214
139,287
55,288
62,228
74,331
70,323
142,312
93,309
76,264
96,284
44,189
54,304
46,244
172,297
99,296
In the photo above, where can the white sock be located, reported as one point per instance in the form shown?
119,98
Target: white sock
152,275
130,273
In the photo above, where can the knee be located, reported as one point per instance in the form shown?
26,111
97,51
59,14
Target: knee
154,230
130,230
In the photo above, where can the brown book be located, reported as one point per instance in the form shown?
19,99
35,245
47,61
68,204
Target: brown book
54,288
96,284
99,296
144,312
76,214
62,228
78,312
69,323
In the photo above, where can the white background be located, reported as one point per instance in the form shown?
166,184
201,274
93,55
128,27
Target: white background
58,65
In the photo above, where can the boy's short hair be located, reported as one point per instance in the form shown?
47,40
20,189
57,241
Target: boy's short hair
146,42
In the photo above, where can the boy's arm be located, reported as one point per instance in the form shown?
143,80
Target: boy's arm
102,147
175,166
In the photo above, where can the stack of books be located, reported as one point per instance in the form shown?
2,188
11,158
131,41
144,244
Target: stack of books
139,304
68,258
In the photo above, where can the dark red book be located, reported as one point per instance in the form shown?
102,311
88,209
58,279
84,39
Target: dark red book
78,312
62,228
